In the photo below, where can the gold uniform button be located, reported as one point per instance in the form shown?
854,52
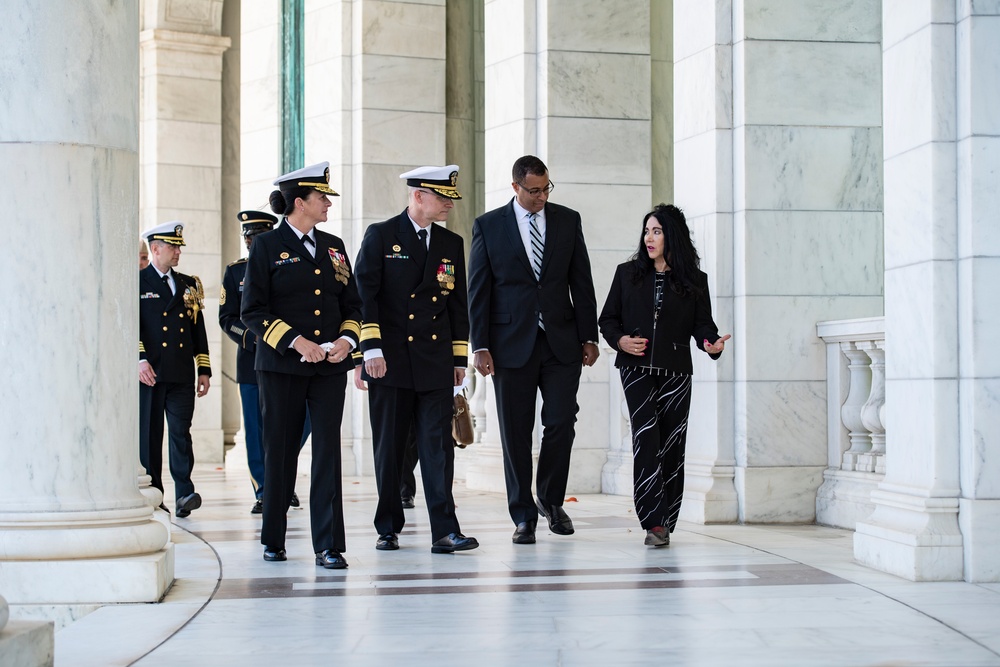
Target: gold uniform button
318,292
409,338
318,272
164,314
411,317
182,329
434,336
412,296
182,316
316,333
315,312
434,317
164,328
164,345
181,345
434,298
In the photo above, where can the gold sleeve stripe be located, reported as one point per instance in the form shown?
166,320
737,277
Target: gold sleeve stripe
202,360
370,331
350,326
460,348
142,348
274,333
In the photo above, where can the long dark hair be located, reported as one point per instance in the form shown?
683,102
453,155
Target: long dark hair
678,250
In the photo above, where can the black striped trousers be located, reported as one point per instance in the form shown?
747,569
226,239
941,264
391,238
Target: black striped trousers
658,407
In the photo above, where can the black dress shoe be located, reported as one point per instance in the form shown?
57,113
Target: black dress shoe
387,542
185,505
274,554
258,507
408,503
295,500
524,533
164,508
331,560
449,544
559,521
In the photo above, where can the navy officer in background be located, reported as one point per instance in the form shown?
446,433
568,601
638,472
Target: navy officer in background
172,344
415,340
300,299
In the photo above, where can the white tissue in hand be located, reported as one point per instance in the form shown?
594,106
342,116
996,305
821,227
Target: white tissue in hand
326,348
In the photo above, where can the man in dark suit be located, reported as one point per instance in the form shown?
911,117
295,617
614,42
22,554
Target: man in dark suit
534,327
172,343
414,336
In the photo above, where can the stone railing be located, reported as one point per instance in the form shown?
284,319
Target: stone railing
855,398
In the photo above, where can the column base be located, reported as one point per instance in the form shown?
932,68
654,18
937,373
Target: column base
778,494
845,498
709,494
143,578
912,537
979,521
27,644
616,476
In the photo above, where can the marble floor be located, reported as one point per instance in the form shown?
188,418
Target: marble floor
719,595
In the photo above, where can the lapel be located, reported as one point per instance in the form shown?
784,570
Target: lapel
407,236
509,222
150,282
295,246
179,287
552,229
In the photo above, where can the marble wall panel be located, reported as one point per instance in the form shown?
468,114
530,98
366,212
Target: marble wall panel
69,84
979,404
260,161
259,54
703,89
401,137
597,85
602,151
700,25
258,107
978,196
198,16
188,187
920,204
813,168
979,318
511,98
612,218
400,28
818,252
181,142
183,99
602,26
187,55
391,82
504,144
510,30
784,423
920,95
703,167
381,190
921,421
778,495
812,83
978,73
257,15
812,20
779,333
713,238
920,303
326,31
911,16
966,8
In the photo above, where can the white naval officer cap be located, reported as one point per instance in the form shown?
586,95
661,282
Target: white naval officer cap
315,176
169,232
441,180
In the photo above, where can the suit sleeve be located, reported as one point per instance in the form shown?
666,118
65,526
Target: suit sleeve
610,320
256,309
458,311
581,287
350,308
368,273
229,309
480,289
704,325
200,335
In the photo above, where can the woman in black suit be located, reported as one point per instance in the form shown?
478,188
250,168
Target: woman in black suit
658,302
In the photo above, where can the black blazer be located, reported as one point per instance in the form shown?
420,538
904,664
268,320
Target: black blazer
288,293
629,307
417,315
505,298
231,324
172,330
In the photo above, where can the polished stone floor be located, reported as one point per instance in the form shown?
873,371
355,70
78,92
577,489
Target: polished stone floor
765,596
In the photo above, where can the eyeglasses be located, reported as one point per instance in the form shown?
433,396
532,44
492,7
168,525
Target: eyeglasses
534,192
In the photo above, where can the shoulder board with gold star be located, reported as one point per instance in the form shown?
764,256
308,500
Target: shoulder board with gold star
241,260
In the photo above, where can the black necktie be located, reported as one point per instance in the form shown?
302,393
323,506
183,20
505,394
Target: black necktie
420,253
309,244
166,281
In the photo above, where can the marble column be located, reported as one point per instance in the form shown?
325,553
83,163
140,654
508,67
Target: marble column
936,513
181,165
74,529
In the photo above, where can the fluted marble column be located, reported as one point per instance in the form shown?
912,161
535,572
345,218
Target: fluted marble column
73,526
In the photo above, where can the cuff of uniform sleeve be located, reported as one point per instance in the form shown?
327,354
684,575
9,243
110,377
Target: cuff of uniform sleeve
374,353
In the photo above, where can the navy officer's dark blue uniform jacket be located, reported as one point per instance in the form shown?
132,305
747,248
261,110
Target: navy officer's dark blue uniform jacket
289,293
172,327
232,325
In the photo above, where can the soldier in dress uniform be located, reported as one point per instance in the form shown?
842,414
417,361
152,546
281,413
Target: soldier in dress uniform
252,223
414,337
300,299
172,345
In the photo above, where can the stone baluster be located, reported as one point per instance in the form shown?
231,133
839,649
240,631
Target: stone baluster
871,411
477,404
859,369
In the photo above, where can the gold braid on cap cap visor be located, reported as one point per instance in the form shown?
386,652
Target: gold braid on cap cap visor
322,187
172,240
449,191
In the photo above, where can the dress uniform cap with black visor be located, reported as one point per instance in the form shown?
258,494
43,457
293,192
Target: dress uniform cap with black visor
169,232
255,222
316,176
441,180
